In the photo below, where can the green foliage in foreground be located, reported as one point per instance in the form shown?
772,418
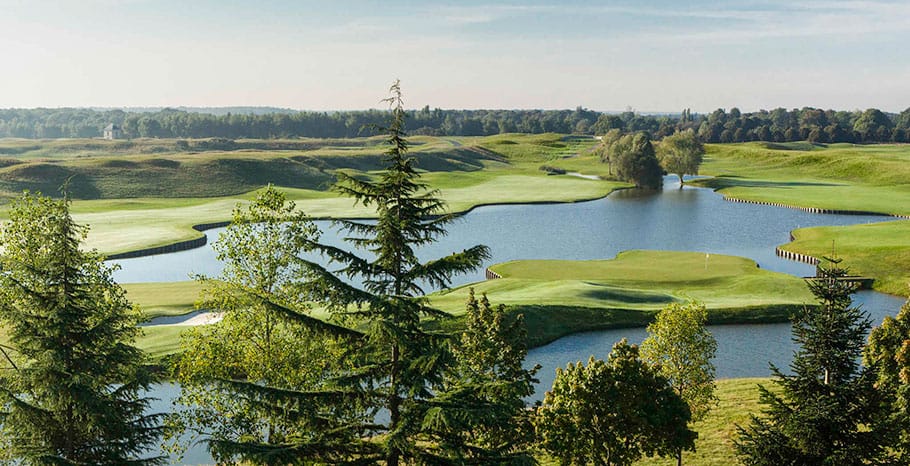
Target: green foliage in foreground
612,412
252,342
830,410
72,383
889,352
681,349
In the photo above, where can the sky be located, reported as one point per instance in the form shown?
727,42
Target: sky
650,56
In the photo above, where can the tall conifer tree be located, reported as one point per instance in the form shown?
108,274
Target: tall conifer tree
378,304
829,410
73,389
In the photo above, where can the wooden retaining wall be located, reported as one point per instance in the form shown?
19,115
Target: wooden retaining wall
795,256
814,210
174,247
491,275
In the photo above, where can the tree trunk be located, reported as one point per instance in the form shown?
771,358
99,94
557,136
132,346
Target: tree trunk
394,405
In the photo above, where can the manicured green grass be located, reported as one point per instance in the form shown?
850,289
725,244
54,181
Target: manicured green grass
147,193
879,250
563,297
160,340
164,299
874,178
558,298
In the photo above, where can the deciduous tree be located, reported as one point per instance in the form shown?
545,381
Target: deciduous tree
681,348
612,412
260,339
681,153
888,352
633,156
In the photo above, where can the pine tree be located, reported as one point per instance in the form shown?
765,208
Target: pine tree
829,410
73,391
378,307
405,361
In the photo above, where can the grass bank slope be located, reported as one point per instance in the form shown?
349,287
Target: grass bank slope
149,193
874,178
563,297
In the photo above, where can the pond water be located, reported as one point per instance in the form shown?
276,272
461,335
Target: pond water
688,219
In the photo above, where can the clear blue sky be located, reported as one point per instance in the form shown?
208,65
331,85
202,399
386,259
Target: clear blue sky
605,55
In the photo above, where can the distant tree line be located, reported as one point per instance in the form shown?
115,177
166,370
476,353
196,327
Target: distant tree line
778,125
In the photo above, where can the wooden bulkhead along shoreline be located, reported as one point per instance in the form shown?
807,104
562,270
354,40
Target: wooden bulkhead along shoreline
173,247
491,275
814,210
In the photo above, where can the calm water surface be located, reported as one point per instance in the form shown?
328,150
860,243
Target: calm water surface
688,219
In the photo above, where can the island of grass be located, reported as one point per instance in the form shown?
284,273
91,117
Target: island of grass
149,193
560,297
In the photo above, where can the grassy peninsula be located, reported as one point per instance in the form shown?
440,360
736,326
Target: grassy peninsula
872,178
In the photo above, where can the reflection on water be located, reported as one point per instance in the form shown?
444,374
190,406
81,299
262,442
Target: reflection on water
688,219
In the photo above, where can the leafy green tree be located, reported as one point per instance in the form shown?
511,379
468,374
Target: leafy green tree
681,153
681,349
870,122
636,162
604,149
829,411
73,391
612,412
260,338
479,417
889,352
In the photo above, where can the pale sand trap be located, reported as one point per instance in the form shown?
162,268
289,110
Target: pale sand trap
587,177
204,318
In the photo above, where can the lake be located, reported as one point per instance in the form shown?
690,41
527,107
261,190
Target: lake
688,219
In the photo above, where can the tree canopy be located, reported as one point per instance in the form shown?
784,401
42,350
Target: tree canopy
73,389
681,153
612,412
635,161
776,125
681,348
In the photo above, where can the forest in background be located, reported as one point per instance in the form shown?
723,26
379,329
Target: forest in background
719,126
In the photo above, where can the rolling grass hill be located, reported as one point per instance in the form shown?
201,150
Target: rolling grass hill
149,192
873,178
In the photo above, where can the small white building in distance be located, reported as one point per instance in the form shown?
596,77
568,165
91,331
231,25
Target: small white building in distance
112,131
